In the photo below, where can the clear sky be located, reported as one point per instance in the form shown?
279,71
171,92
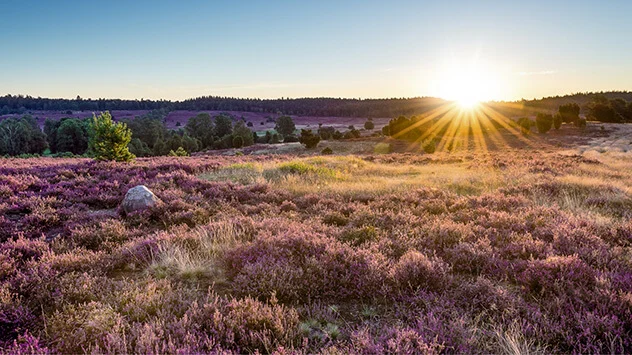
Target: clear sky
269,49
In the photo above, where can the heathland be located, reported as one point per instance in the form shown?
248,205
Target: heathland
520,246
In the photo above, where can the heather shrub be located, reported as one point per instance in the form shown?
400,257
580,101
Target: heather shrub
360,235
335,219
414,270
25,344
557,274
80,328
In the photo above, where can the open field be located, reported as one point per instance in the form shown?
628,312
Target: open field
516,250
177,119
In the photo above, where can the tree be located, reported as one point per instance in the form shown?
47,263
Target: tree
180,152
543,122
309,139
285,125
223,125
21,136
71,136
369,125
241,130
201,127
569,112
139,148
109,140
525,125
238,142
603,113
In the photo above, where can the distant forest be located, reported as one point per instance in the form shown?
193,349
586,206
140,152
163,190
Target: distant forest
323,107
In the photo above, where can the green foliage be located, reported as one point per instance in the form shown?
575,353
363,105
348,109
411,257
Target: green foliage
149,128
21,136
543,122
525,125
139,148
337,135
326,133
180,152
201,128
238,142
223,125
291,138
309,139
429,146
242,131
327,151
382,148
369,125
285,126
569,112
557,121
109,140
72,136
275,138
603,113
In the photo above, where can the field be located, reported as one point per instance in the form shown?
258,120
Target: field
515,250
177,119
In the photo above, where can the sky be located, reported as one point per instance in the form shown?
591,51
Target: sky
505,50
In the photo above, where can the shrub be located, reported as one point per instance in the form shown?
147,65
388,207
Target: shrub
327,151
109,140
414,270
369,125
429,146
180,152
525,125
543,122
581,123
238,142
382,148
337,135
285,126
290,138
308,139
557,121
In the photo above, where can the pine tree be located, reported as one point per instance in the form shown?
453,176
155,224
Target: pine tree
109,140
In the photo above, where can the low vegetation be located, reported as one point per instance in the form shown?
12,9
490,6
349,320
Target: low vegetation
388,253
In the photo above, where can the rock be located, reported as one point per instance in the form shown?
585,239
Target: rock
138,198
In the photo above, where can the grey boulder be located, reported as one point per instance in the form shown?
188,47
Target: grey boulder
138,198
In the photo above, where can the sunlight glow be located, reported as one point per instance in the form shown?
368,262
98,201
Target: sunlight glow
467,83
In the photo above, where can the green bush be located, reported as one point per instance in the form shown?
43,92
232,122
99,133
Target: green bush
543,122
369,125
525,125
238,142
290,138
327,151
309,139
557,121
382,148
180,152
109,140
429,146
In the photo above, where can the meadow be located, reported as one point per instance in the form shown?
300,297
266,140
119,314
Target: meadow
510,251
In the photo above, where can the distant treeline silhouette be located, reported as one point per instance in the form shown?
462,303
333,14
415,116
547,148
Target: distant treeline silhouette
11,104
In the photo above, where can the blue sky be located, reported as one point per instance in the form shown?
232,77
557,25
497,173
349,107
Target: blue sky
182,49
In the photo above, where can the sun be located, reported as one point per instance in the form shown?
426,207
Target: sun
467,84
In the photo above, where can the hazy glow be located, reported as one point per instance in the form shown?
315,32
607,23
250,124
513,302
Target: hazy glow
468,83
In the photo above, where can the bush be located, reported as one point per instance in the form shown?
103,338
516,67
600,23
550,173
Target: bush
290,139
308,139
581,123
285,125
180,152
557,121
525,125
337,135
327,151
109,140
429,146
238,142
544,122
369,125
382,148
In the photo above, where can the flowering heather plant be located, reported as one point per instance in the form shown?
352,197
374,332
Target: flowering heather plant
393,253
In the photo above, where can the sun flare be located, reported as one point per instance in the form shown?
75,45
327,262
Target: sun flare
468,84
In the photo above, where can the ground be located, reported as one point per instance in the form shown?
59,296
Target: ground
519,248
